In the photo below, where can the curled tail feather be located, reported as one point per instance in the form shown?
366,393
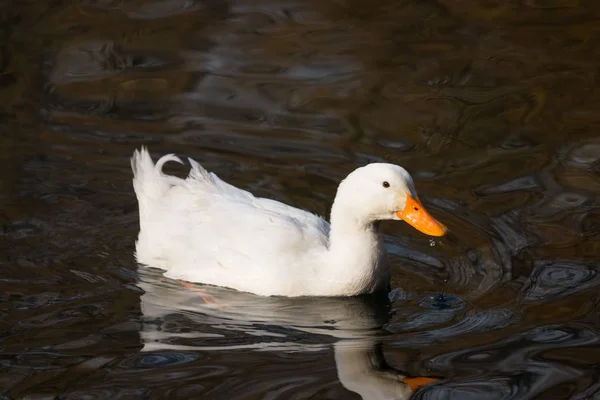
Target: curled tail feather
148,178
150,183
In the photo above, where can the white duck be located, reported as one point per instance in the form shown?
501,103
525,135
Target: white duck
201,229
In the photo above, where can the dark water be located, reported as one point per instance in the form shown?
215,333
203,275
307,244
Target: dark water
494,107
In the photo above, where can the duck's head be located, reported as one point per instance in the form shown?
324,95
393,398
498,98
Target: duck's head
382,191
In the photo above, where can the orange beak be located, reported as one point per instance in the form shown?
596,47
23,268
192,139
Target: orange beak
415,215
419,381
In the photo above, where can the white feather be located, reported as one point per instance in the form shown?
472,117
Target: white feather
203,229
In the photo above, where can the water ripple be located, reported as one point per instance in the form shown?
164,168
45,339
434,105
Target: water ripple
531,372
472,322
157,359
552,280
492,108
483,388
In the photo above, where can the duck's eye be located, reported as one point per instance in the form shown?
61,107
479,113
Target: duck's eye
386,184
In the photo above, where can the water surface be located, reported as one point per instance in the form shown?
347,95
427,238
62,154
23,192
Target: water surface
492,106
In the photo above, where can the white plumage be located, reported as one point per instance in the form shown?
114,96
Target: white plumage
202,229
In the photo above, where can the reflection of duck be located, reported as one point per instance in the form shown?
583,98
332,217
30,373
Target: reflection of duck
355,323
362,368
202,229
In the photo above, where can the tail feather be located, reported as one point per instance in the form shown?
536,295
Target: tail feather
148,178
150,183
165,159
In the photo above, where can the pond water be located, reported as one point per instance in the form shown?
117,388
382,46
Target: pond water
492,106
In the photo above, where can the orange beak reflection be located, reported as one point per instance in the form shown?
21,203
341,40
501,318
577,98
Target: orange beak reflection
418,382
415,215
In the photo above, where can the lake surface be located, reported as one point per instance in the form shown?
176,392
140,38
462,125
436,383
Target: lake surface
494,107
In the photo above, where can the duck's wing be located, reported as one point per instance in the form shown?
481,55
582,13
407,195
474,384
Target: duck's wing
225,236
259,213
202,182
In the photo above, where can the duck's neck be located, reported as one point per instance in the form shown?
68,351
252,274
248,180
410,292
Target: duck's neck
356,260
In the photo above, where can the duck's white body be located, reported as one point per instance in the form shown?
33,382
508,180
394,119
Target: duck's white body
201,229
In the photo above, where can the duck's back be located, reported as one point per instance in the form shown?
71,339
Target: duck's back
202,229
